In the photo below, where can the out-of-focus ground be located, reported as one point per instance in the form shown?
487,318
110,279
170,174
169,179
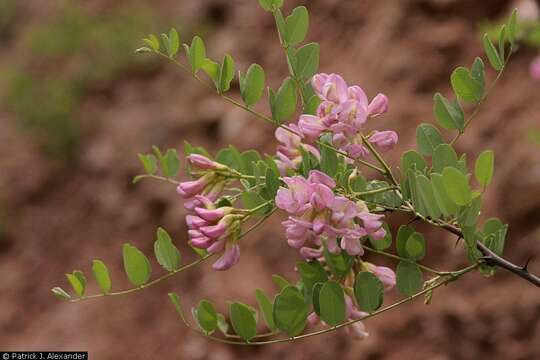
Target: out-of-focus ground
78,106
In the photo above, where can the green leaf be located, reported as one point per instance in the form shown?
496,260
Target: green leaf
478,72
197,54
307,61
136,265
368,290
483,170
206,316
166,253
60,293
280,281
149,163
465,86
312,105
153,42
494,235
212,69
340,263
425,192
251,200
493,55
311,272
512,27
457,186
77,281
290,311
450,116
315,298
296,26
272,182
427,138
447,206
252,85
222,324
444,156
502,42
332,303
403,235
243,321
226,74
412,158
415,246
101,274
329,160
468,215
284,103
271,5
174,42
408,277
170,163
266,308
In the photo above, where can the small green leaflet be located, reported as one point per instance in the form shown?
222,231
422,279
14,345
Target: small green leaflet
226,74
332,303
166,253
427,138
290,311
307,61
266,308
136,265
465,86
368,290
444,156
457,186
60,293
101,274
149,163
243,321
449,115
196,54
206,316
77,281
483,170
493,55
409,278
296,26
283,104
252,84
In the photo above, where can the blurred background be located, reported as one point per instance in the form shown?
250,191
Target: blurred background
77,105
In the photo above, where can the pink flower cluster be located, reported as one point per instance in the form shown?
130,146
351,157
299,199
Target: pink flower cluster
316,214
210,228
343,112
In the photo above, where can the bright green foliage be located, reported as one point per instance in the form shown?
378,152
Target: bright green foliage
149,162
426,195
410,159
296,26
444,156
252,85
311,273
512,27
196,54
222,324
226,74
468,215
483,170
243,320
329,160
283,102
369,291
384,243
77,281
206,317
280,281
493,55
290,311
465,86
315,298
427,138
408,277
212,69
478,72
457,186
340,263
403,235
307,61
101,274
166,253
332,303
271,5
449,115
416,246
494,234
445,204
265,305
136,265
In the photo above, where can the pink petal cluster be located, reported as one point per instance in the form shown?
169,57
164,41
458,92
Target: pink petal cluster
289,154
210,228
343,112
316,213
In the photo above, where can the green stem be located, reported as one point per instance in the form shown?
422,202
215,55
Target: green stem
387,170
399,258
375,191
156,177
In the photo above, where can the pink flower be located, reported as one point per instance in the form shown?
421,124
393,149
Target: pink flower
230,257
535,68
203,163
384,140
311,127
378,106
189,189
318,177
294,199
288,152
386,275
358,94
330,87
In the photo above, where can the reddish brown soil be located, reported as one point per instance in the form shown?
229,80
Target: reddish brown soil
60,219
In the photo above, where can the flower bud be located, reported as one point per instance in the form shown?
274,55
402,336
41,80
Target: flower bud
204,163
230,257
384,274
384,140
378,106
